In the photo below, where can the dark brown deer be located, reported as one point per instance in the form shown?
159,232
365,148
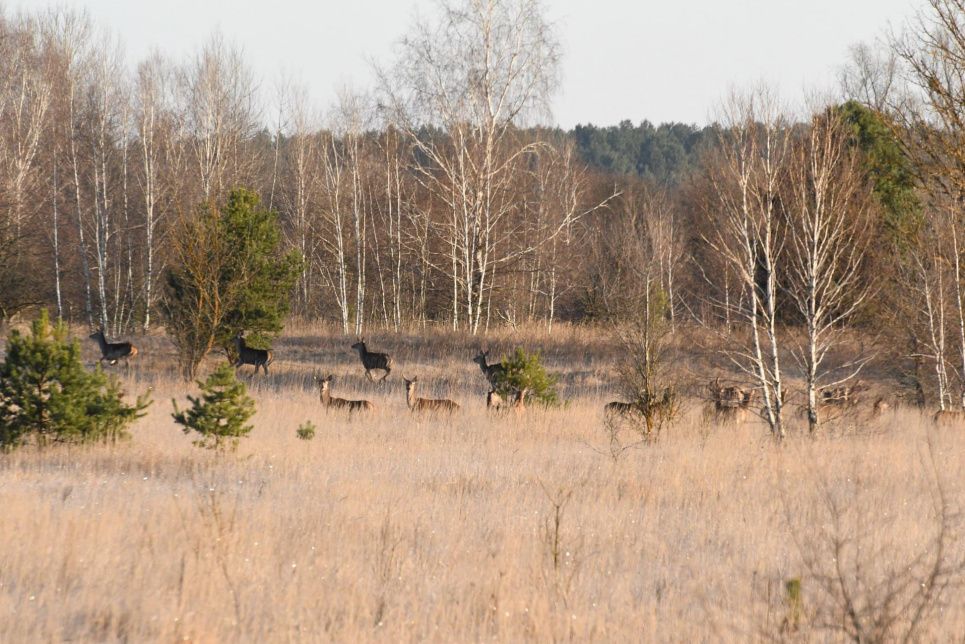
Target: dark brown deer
325,395
114,351
425,404
257,357
617,409
373,361
494,373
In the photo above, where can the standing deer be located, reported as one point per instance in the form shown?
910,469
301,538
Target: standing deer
494,372
844,396
257,357
616,409
425,404
519,405
372,361
494,402
880,407
731,404
325,395
114,351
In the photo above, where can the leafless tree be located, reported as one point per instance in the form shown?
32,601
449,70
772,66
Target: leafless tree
930,120
828,211
745,233
222,113
871,75
480,69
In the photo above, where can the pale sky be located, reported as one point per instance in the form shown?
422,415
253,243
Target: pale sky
661,60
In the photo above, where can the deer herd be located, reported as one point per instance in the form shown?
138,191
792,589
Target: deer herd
729,404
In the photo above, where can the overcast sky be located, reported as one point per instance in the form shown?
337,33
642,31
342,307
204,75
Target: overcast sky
662,60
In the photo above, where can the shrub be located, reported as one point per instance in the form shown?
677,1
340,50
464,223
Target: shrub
46,393
221,412
526,371
306,432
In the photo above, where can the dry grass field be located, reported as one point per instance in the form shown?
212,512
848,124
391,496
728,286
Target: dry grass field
471,528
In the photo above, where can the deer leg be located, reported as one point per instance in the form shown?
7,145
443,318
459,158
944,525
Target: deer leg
368,374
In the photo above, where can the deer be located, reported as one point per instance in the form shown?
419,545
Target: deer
425,404
880,407
494,373
257,357
114,351
844,396
619,409
325,395
494,402
372,361
731,404
519,405
949,418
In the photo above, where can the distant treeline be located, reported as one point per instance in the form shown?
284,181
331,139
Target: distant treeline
665,154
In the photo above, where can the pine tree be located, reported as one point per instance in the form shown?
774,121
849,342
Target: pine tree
221,412
526,371
46,393
228,274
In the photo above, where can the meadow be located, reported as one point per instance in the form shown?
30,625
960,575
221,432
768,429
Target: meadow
519,527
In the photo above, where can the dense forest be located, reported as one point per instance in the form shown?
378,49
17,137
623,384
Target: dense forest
437,198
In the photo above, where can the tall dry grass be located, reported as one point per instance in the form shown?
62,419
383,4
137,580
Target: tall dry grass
396,528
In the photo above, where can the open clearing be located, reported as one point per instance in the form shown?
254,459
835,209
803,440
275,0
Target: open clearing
397,528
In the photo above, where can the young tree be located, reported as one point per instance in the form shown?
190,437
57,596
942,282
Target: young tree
227,274
46,393
221,412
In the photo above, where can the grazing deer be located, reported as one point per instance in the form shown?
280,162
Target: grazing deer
257,357
372,361
494,373
425,404
949,418
114,351
325,395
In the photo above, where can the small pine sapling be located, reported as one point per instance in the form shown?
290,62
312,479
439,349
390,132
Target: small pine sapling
221,412
306,431
526,371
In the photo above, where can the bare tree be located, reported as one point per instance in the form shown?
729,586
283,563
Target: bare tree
25,98
746,235
481,68
68,38
221,115
828,211
870,76
930,120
